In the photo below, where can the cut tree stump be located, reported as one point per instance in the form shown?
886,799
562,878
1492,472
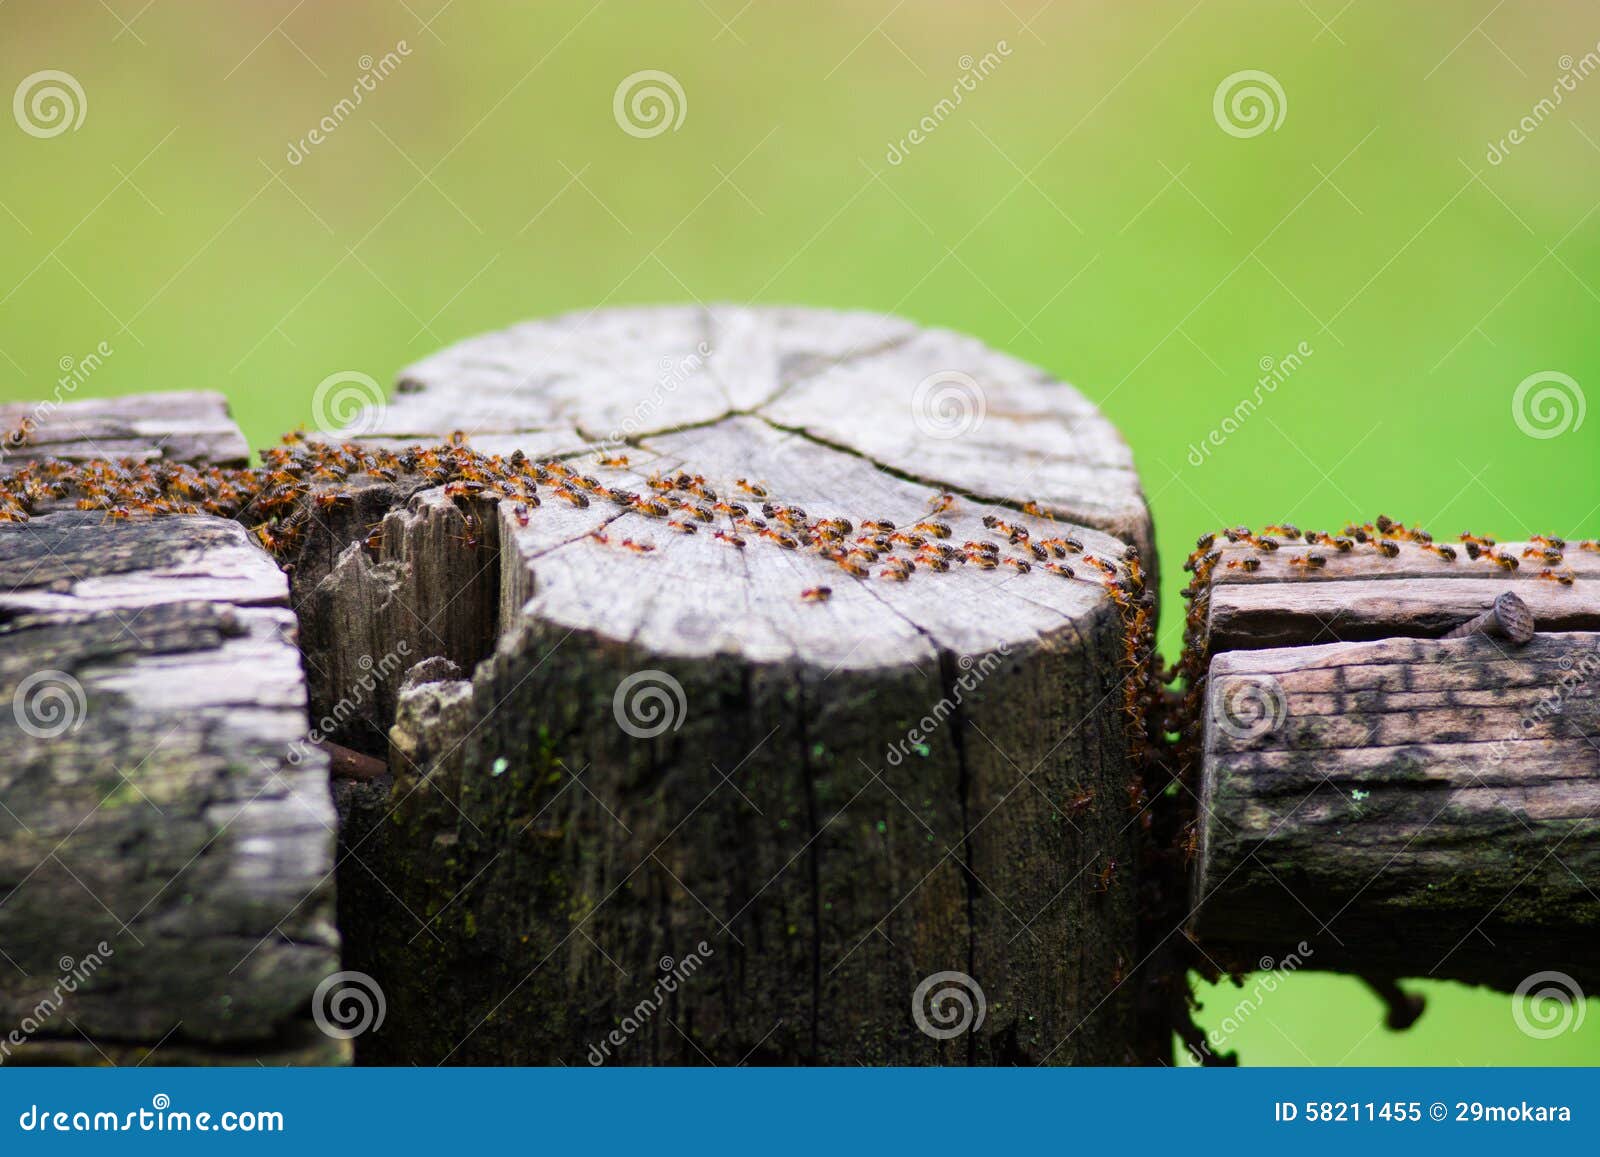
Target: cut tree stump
1405,805
165,868
679,815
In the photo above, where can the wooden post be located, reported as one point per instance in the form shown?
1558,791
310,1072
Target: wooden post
1405,805
656,797
165,868
681,814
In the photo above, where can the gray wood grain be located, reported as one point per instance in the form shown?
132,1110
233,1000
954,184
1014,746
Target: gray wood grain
537,861
153,694
163,858
1363,595
178,426
853,380
1405,807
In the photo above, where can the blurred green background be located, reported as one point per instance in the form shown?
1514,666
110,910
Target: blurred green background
1082,208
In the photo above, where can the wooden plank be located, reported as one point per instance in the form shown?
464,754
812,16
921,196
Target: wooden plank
165,827
1405,807
178,426
153,816
1364,595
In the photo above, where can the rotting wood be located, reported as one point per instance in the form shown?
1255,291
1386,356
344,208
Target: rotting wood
1403,802
165,868
1406,807
165,820
538,862
178,426
1365,596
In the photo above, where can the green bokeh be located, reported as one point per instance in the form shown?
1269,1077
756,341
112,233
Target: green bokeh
1081,209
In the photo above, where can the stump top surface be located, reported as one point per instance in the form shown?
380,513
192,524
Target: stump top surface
850,415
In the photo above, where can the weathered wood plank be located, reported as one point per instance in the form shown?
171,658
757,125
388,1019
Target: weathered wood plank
1364,595
166,836
177,426
1406,807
